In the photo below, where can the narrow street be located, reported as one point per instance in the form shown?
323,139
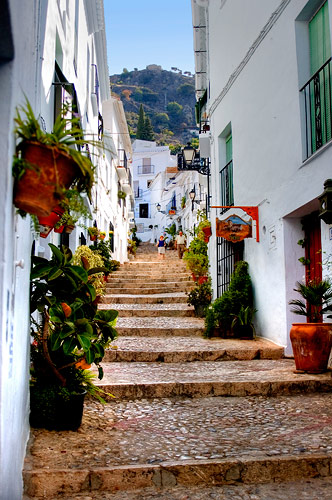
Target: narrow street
173,432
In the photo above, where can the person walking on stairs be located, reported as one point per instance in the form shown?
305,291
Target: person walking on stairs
180,242
161,248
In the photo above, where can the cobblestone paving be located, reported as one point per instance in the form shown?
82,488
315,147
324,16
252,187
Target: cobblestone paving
163,430
309,489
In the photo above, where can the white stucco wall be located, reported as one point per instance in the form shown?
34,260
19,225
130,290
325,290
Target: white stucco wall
261,107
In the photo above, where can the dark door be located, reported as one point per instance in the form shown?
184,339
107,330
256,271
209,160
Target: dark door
313,247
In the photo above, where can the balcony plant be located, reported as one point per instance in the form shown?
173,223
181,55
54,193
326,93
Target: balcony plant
122,195
200,298
69,336
46,164
312,341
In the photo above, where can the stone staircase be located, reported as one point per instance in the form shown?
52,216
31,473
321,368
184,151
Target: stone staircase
171,432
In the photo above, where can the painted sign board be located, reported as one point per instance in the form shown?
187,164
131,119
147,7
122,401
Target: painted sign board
233,228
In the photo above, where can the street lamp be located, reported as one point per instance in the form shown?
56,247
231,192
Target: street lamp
192,195
158,207
188,154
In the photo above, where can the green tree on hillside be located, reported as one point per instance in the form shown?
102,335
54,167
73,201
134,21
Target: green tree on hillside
148,130
140,123
174,110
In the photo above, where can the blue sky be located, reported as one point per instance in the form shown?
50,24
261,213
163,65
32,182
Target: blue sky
142,32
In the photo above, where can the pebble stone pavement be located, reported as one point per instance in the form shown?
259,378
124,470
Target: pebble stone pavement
180,430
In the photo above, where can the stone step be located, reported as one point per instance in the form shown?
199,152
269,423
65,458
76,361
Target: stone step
173,275
160,327
170,298
145,280
149,447
322,486
151,310
164,288
186,349
125,283
205,378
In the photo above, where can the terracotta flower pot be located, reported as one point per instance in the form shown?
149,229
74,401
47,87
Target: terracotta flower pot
93,237
35,191
207,233
202,279
45,230
69,229
59,229
311,344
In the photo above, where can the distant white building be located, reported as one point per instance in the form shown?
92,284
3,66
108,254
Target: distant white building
148,161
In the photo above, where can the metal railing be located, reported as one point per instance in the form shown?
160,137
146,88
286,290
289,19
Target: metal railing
122,158
317,101
145,169
226,186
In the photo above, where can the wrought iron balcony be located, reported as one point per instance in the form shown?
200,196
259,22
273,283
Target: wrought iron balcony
317,107
145,169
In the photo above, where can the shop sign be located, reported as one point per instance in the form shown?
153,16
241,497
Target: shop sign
233,228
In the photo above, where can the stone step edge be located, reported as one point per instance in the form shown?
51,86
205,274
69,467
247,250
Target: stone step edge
203,388
217,355
160,332
41,483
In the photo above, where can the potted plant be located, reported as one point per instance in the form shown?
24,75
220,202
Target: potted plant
183,202
102,235
197,260
121,194
200,298
69,335
205,227
93,233
312,341
242,324
46,164
73,206
238,296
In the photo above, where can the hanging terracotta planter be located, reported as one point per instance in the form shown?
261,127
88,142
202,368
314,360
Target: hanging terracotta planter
69,229
311,344
59,229
45,230
207,233
93,238
52,169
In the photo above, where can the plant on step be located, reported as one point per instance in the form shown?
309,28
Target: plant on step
239,295
200,297
69,335
51,161
103,249
131,247
210,322
242,324
198,264
90,259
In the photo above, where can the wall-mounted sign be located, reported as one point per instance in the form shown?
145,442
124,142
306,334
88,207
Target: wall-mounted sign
233,228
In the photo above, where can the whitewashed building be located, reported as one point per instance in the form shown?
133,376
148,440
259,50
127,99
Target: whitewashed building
49,52
148,161
264,89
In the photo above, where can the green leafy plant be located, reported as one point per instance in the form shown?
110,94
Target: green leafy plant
122,195
239,295
200,297
131,246
317,300
198,264
93,231
183,201
242,324
69,333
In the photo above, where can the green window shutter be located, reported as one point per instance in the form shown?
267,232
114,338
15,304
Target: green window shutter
319,36
229,148
320,53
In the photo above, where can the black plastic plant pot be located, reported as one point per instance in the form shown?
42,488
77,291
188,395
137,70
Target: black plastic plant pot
56,410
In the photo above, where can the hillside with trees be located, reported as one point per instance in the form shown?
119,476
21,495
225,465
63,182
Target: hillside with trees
159,104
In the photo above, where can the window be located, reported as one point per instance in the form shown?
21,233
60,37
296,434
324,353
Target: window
144,210
148,183
146,167
226,175
316,93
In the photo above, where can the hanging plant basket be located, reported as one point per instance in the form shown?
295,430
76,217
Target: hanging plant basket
207,233
69,229
37,192
59,229
45,230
